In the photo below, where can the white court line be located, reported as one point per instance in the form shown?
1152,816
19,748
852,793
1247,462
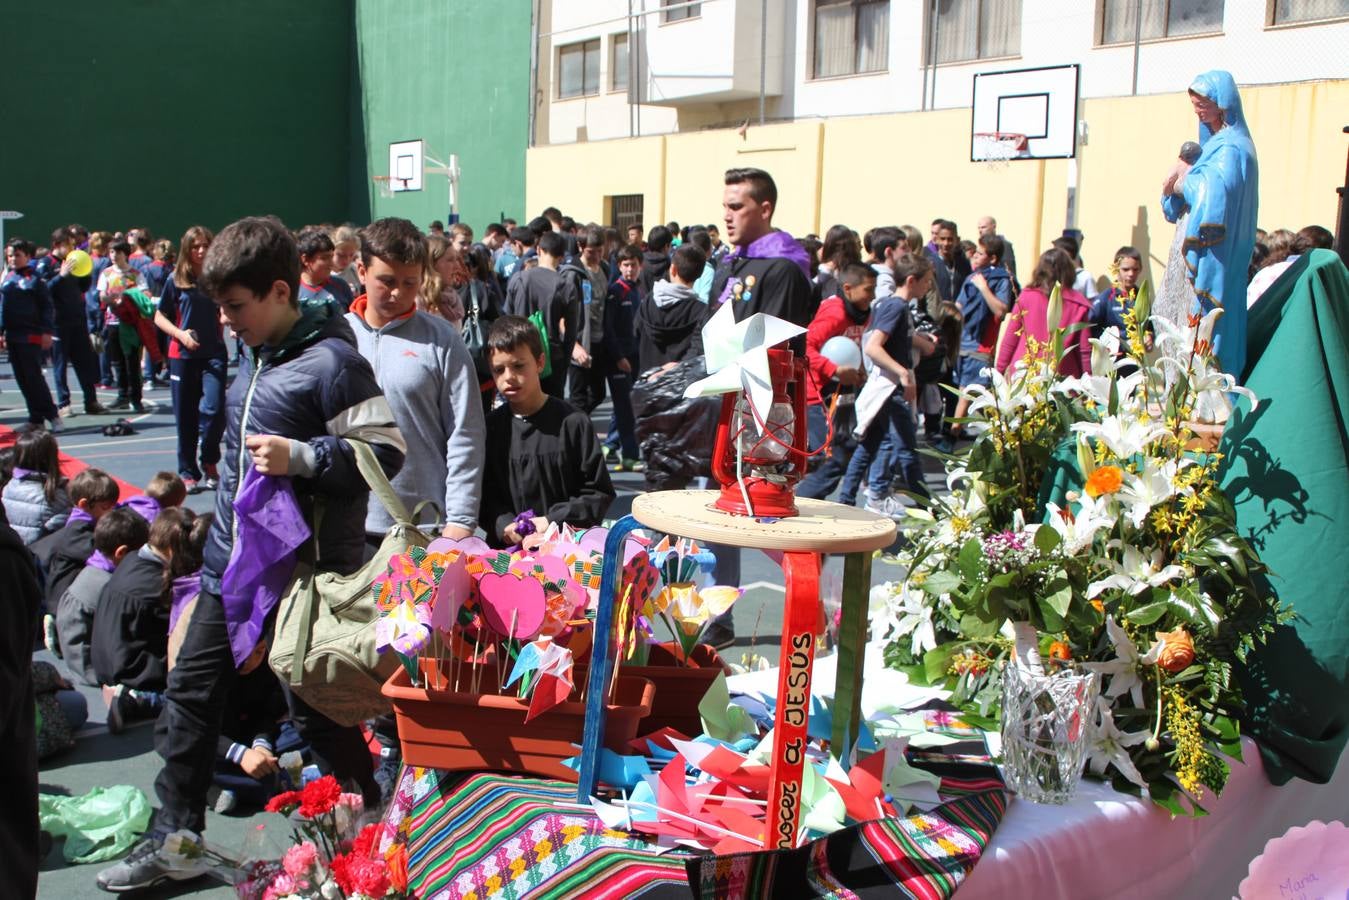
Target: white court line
109,442
764,584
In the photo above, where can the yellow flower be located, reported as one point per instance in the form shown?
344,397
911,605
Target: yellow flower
1105,480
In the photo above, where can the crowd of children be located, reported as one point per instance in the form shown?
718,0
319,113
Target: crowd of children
471,370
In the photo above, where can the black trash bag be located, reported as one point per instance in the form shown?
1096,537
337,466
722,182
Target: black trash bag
676,434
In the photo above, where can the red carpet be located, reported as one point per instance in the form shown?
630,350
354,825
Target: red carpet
70,466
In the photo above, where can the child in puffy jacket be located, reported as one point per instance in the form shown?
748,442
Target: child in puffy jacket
36,499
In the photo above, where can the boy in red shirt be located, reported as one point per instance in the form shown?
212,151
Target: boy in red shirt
832,385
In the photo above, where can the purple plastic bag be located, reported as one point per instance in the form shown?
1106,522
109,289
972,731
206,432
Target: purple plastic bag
269,530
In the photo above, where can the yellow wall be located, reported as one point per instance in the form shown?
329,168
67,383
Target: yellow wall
910,168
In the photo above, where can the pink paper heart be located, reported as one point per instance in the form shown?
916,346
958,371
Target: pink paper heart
452,592
512,606
472,545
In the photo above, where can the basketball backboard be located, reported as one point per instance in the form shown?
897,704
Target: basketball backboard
406,166
1040,104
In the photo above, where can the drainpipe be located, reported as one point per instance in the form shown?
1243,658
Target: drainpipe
763,55
533,70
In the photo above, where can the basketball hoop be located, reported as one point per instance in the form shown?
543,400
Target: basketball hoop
995,148
389,185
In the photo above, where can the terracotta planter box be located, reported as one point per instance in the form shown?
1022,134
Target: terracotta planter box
458,730
679,686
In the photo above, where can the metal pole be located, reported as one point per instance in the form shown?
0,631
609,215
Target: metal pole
936,23
632,77
1138,38
534,71
1342,226
763,55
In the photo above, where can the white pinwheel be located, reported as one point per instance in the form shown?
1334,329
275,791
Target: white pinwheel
1136,572
1110,747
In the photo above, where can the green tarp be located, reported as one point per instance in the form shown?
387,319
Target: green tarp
1287,472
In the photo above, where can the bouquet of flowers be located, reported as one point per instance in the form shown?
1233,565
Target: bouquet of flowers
331,856
1085,527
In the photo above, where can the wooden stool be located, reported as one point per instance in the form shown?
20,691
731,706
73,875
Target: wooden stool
821,527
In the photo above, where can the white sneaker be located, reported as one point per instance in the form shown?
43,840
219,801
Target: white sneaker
56,426
154,861
889,505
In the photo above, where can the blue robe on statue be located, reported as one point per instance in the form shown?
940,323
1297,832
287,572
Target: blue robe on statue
1221,193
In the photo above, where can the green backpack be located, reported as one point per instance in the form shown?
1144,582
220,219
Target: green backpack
324,641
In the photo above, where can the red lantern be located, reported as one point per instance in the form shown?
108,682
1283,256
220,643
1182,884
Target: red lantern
770,444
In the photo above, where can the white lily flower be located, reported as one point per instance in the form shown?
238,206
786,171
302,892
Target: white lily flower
1124,437
1149,488
900,609
1078,530
1008,395
1110,747
1124,668
1136,572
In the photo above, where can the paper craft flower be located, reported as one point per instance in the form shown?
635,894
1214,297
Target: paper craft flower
406,628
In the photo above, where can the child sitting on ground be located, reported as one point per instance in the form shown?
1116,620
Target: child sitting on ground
62,554
254,733
118,533
165,491
130,635
543,462
36,499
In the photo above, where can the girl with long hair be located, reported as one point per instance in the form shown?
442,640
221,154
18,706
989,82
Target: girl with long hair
197,363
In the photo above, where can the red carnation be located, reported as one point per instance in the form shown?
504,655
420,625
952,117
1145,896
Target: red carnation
284,802
369,876
364,845
340,873
319,796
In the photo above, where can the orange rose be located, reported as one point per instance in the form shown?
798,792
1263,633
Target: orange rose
1178,652
1060,650
1105,480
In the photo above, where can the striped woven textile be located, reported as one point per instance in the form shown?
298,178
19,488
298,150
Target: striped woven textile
505,837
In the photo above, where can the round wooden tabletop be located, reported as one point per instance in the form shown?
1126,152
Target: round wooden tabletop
821,526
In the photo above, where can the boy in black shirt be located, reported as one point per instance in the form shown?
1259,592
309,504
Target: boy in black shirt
543,457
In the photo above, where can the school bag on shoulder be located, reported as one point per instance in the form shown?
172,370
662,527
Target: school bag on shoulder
323,645
473,333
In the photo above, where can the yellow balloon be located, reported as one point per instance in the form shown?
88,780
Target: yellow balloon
80,263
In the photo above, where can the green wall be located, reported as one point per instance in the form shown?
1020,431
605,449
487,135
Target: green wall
454,73
166,113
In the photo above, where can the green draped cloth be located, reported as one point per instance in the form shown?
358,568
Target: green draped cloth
1287,472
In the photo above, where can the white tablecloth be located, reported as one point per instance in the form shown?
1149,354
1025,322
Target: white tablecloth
1105,844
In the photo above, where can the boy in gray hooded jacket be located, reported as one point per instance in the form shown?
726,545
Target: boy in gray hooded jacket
428,377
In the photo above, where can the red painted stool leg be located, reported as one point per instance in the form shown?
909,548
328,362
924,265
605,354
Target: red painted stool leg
796,662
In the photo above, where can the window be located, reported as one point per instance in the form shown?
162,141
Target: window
851,36
679,10
618,63
1161,19
1284,12
974,29
578,69
625,210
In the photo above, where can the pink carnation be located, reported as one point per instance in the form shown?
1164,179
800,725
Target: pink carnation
280,887
299,859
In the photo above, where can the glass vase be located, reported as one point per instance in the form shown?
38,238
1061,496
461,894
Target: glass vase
1045,729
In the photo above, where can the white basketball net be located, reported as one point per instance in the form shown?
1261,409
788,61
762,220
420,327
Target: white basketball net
996,150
